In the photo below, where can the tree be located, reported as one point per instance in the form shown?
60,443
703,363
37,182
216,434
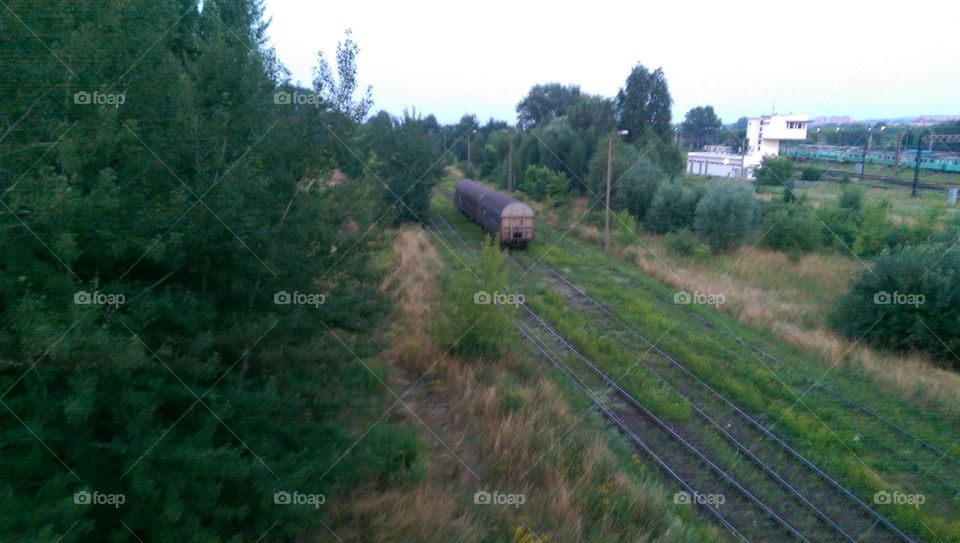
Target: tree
160,259
724,215
699,123
339,92
774,171
545,102
406,159
643,105
624,156
635,189
672,208
541,182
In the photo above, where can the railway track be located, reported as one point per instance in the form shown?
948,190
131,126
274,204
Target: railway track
808,511
738,509
938,455
882,181
940,465
748,518
832,503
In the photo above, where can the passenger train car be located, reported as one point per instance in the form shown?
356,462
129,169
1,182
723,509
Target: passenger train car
929,160
506,218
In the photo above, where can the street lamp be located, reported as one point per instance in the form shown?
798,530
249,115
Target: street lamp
606,219
474,131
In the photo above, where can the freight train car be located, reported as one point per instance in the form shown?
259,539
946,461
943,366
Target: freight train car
506,218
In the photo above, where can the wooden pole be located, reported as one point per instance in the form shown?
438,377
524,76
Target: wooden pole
510,165
606,227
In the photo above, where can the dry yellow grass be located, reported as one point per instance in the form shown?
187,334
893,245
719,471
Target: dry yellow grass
412,283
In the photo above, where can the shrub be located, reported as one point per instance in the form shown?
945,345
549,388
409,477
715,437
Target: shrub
684,242
774,170
672,208
541,182
634,191
812,174
792,229
907,301
477,326
841,222
876,231
724,215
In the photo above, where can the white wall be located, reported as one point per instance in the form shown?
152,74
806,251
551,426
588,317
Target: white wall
764,133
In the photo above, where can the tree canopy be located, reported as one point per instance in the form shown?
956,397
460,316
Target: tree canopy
699,124
545,102
643,105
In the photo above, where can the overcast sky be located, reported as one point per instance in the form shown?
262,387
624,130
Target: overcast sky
892,59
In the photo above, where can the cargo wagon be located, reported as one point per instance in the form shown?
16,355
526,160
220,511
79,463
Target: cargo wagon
509,220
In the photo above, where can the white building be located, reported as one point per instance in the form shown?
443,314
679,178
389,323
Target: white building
764,135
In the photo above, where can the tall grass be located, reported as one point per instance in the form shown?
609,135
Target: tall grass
520,428
764,288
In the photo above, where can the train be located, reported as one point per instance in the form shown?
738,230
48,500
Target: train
507,219
929,160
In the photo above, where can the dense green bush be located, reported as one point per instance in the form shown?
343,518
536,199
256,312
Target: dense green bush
541,182
908,300
774,171
724,215
791,228
231,368
841,221
810,173
685,243
478,308
673,207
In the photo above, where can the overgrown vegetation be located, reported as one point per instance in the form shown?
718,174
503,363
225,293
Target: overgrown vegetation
190,287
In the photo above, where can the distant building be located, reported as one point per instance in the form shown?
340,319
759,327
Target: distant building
764,135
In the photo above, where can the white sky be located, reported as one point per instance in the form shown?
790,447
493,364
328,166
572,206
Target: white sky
884,59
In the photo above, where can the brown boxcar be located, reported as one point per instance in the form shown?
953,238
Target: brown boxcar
506,218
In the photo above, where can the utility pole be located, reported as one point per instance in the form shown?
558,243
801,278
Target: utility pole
866,147
606,220
931,139
468,147
510,165
916,170
896,156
